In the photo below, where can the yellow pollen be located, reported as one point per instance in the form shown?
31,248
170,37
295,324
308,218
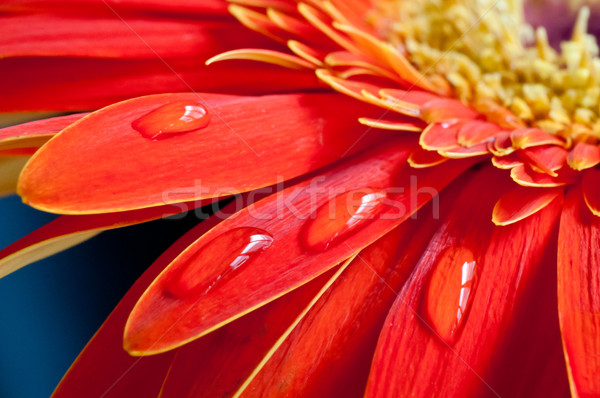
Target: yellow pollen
487,52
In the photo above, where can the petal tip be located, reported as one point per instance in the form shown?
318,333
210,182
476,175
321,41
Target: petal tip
134,345
499,217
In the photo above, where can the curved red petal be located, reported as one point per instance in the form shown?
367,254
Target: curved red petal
330,352
218,364
476,132
394,125
446,109
298,241
584,156
522,202
545,159
261,55
460,152
530,137
421,158
525,176
579,295
507,162
502,144
440,136
464,292
102,164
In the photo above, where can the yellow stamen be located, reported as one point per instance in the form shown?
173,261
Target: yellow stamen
487,52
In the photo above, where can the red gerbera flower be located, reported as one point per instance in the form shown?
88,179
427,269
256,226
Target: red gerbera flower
323,280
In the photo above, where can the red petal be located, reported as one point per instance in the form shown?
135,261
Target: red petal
502,145
103,164
527,138
579,295
303,244
464,292
531,363
218,364
394,125
80,83
291,24
323,23
507,162
258,22
103,367
499,115
35,134
203,8
107,36
355,89
545,159
344,59
444,109
460,152
262,55
522,202
584,156
67,231
591,190
420,158
413,96
439,136
381,51
476,132
307,52
329,353
523,175
88,83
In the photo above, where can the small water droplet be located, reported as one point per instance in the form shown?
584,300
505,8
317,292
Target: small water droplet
217,260
172,118
345,214
450,291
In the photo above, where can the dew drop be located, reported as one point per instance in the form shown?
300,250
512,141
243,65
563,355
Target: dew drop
343,215
217,260
450,291
173,118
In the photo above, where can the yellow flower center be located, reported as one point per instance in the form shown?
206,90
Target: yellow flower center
487,52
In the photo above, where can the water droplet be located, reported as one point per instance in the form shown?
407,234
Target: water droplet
450,291
217,260
172,118
345,214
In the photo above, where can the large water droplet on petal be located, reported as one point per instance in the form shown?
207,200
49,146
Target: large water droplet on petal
172,118
345,214
450,291
217,261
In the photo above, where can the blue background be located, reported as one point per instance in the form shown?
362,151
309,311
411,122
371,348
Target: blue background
50,309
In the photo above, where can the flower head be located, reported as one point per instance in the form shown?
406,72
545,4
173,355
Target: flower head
324,279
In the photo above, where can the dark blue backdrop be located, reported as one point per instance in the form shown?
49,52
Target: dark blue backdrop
50,309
